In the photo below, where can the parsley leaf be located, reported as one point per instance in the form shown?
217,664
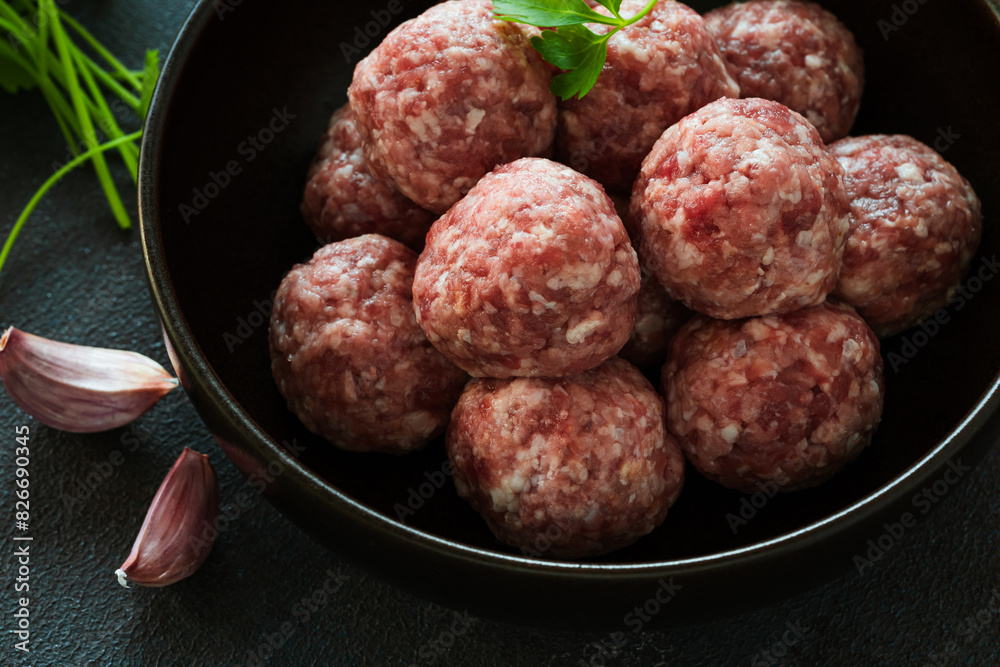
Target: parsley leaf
550,13
567,43
613,6
579,51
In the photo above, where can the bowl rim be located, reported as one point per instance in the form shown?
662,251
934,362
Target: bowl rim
313,487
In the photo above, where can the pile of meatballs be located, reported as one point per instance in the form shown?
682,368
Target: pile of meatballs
700,217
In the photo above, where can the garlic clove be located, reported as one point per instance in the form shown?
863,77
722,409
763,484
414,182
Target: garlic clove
79,388
180,525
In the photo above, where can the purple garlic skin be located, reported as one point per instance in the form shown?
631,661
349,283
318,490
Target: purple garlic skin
171,544
79,388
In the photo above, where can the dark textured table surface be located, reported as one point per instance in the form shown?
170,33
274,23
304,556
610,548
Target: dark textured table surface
268,594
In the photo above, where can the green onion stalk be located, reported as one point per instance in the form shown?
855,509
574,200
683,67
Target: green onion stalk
44,50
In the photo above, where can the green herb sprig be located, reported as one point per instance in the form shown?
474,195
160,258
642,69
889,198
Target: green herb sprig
569,45
38,51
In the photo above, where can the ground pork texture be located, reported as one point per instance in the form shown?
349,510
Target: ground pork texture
449,95
566,468
531,274
348,356
915,226
741,211
658,70
786,400
342,198
796,53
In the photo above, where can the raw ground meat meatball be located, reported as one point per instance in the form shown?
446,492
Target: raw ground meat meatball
342,199
658,70
741,211
347,353
566,468
916,223
657,319
788,399
449,95
795,53
531,274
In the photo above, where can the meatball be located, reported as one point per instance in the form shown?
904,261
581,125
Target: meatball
782,399
741,211
342,199
449,95
531,274
658,70
916,223
795,53
348,356
566,468
657,319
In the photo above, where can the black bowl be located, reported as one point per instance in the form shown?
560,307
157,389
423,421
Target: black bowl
246,92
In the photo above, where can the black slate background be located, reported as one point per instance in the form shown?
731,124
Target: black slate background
74,276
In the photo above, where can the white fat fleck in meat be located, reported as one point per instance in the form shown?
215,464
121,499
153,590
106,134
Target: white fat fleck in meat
649,324
542,232
910,172
579,333
814,61
421,422
581,275
350,389
472,120
538,298
504,500
345,172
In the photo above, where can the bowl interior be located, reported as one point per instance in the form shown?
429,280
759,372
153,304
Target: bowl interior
240,129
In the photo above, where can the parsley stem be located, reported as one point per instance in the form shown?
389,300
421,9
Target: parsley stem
61,109
638,17
52,180
86,123
74,86
42,43
129,153
47,59
19,25
116,65
13,26
109,82
60,77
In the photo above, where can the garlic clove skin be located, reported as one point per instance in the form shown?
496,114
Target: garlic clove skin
79,388
180,525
